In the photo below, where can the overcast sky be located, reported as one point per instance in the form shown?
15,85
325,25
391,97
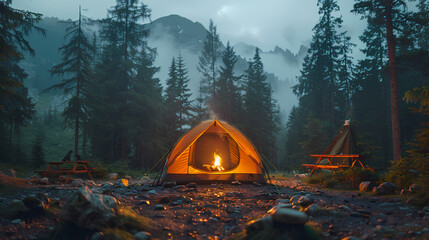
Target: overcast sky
285,23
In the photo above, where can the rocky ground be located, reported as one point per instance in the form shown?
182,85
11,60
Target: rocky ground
218,211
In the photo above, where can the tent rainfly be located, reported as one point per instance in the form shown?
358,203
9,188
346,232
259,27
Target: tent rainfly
213,151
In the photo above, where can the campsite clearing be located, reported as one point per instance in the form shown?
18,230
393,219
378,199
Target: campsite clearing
216,211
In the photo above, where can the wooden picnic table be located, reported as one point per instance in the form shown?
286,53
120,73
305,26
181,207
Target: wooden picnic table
354,157
63,169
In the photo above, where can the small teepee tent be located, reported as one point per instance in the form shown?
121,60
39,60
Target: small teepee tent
342,145
213,151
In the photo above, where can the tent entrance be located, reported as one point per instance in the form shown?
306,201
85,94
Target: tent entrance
215,152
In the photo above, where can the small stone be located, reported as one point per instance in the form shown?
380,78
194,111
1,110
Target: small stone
128,177
152,191
142,236
280,205
256,184
191,185
313,209
44,180
164,200
77,183
143,203
304,201
230,209
259,224
294,200
345,208
289,216
415,188
158,207
17,221
179,188
113,176
236,183
366,186
10,173
97,236
122,183
33,203
385,188
285,201
169,184
351,238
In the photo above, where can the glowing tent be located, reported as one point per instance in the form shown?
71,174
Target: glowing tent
213,151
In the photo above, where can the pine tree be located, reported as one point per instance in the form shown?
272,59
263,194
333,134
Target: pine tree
261,112
123,41
145,112
325,84
75,69
16,108
207,64
228,102
387,10
183,99
345,71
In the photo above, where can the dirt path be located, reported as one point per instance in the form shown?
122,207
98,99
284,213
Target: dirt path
219,210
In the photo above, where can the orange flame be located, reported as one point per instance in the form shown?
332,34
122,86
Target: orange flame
217,164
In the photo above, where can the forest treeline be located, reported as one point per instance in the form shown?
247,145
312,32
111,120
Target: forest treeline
116,107
118,111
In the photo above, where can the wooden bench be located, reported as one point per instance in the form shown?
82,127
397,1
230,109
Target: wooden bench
59,168
354,158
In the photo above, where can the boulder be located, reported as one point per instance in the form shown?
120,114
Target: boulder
289,216
259,224
44,180
90,210
304,201
385,188
415,188
77,183
112,176
142,236
366,186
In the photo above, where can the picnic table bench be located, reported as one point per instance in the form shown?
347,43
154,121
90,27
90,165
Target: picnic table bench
331,166
60,168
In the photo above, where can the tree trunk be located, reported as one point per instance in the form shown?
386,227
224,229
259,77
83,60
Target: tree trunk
394,105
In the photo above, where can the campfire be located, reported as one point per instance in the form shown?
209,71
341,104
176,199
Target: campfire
216,165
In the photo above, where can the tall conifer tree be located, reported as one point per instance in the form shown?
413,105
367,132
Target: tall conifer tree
75,69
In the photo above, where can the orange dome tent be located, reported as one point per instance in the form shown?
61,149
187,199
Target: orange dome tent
213,151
